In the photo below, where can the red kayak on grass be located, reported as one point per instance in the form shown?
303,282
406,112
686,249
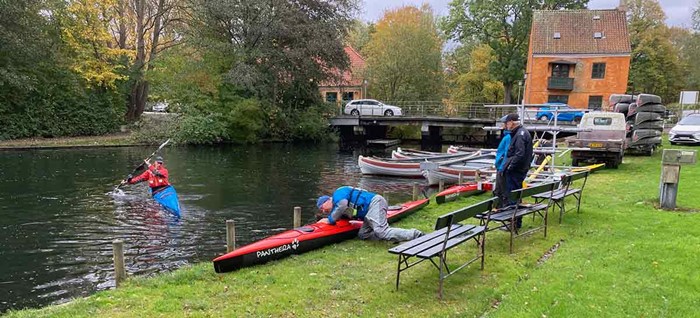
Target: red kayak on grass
303,239
462,190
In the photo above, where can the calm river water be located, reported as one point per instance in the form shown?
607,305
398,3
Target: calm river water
58,221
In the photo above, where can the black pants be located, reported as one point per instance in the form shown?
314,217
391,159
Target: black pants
514,181
500,189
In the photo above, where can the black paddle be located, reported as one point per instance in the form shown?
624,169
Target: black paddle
143,163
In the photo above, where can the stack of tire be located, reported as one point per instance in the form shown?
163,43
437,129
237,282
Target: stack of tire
645,125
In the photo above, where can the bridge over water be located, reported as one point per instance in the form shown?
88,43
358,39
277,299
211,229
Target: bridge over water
436,120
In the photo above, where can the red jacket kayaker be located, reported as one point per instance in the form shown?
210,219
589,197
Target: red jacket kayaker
156,175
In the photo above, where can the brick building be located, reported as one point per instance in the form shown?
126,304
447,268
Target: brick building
578,57
350,84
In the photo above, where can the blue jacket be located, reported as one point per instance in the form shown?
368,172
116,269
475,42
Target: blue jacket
502,151
353,198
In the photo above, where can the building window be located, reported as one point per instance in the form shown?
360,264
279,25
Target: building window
564,99
348,96
560,70
331,97
595,102
598,70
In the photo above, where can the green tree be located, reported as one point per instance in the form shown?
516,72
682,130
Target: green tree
279,50
360,34
505,26
404,56
655,66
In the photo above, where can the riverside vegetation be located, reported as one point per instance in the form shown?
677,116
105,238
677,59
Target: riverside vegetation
621,256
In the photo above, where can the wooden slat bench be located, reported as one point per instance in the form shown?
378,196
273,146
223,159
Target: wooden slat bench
447,235
506,216
566,189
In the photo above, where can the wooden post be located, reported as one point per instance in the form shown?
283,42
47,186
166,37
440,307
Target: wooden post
119,270
441,185
415,191
230,236
461,177
297,216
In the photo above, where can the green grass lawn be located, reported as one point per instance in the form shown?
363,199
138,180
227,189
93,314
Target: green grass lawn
619,257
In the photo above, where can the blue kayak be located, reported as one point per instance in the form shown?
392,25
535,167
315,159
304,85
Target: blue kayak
168,199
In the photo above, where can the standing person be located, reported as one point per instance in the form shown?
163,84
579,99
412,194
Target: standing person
518,158
367,206
500,163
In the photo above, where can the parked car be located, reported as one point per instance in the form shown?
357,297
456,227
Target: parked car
564,113
160,107
371,107
686,131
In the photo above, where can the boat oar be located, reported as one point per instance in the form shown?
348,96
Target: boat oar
143,163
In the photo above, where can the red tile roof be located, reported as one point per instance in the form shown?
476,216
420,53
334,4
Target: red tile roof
352,76
577,28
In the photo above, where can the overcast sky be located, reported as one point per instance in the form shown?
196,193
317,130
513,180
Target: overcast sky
678,12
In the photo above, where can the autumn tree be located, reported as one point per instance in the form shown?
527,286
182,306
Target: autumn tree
504,25
404,56
117,39
469,77
40,92
655,67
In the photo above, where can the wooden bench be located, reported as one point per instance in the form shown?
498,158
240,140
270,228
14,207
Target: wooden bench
447,235
566,189
506,216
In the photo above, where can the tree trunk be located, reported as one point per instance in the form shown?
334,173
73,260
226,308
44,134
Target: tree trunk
139,90
507,92
137,100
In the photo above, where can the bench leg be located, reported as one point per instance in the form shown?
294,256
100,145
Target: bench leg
562,208
482,248
512,234
398,273
442,262
546,217
578,202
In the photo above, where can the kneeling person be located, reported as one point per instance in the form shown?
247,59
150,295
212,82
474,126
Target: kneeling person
368,206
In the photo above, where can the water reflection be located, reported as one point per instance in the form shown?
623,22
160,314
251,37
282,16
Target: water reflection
59,217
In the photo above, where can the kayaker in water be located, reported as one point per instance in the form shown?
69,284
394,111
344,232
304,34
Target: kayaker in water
156,174
356,203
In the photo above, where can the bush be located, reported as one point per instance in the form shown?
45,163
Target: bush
155,128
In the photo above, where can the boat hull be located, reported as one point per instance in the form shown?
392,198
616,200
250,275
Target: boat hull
302,239
381,167
462,190
168,199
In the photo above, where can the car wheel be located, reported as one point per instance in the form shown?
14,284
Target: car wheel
355,112
576,120
575,162
389,113
543,117
673,143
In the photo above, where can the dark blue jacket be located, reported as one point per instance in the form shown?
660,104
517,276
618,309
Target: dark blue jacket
519,155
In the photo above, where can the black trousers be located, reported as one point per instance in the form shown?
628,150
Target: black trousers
514,181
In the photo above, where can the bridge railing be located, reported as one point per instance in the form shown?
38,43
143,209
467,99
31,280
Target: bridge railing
448,109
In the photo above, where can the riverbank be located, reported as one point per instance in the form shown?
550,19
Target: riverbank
620,256
112,140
